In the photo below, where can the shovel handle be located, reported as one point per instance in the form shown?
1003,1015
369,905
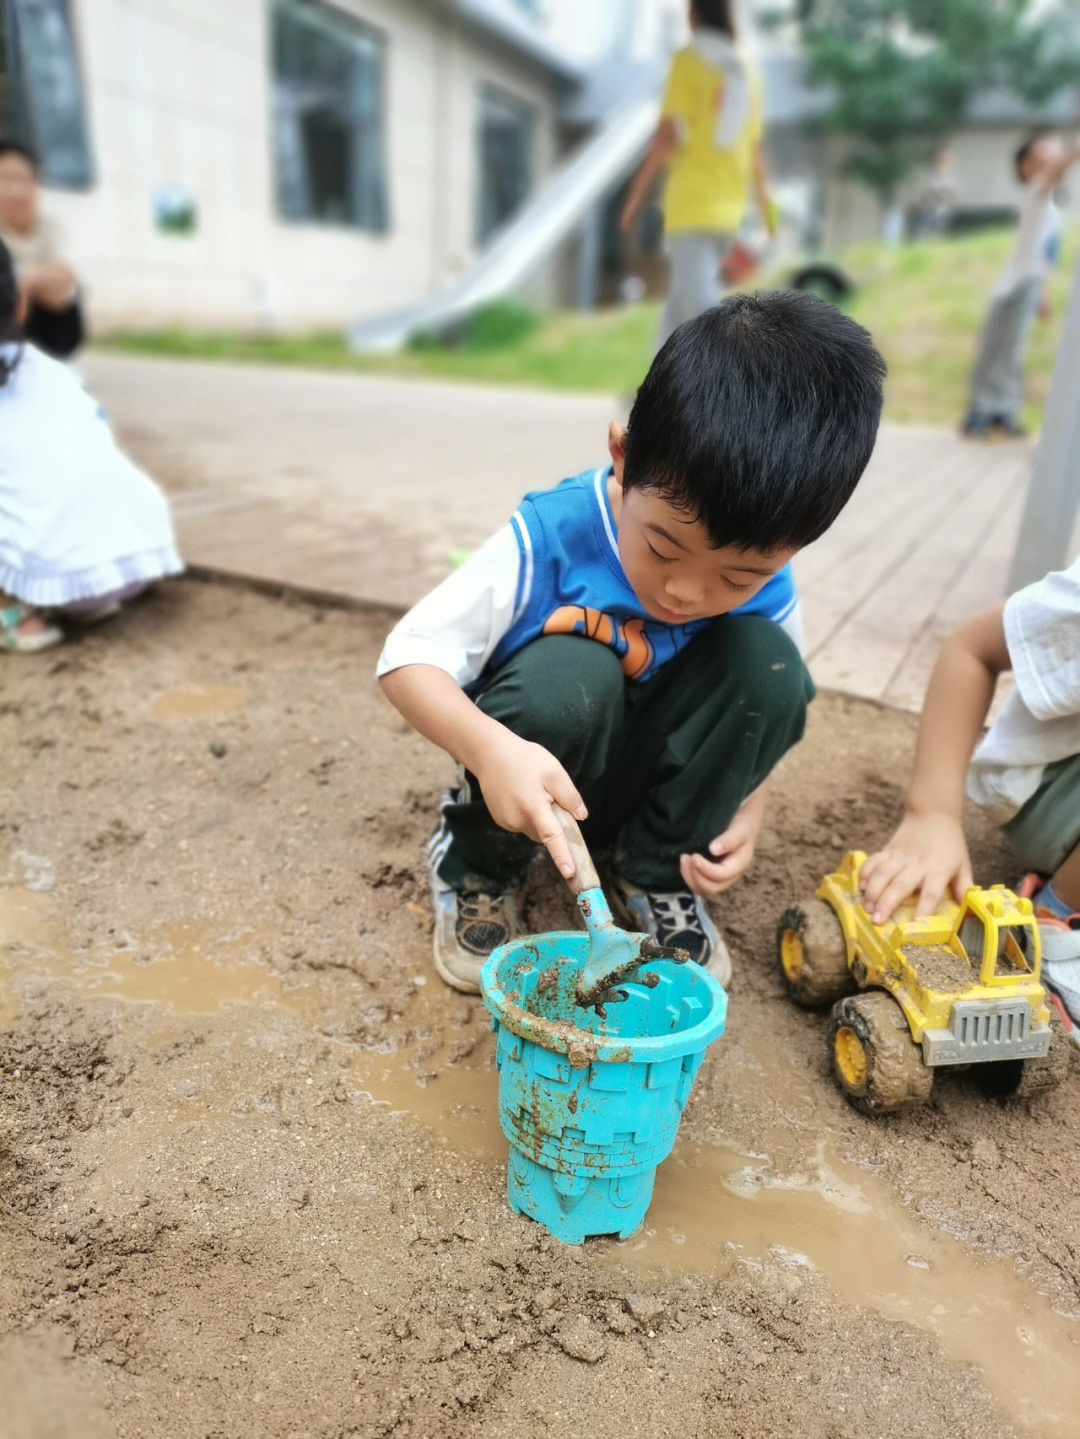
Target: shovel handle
584,876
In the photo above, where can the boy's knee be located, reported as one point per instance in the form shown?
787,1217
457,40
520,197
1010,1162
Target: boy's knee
771,677
557,687
765,661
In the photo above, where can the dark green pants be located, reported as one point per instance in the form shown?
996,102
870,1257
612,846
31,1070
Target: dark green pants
662,765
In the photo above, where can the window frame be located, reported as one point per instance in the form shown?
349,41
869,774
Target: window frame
364,42
24,122
510,101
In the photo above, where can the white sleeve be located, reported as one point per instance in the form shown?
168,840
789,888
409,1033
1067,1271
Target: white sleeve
1042,633
458,624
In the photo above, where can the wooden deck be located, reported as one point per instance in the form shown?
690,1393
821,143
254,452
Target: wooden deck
365,486
925,541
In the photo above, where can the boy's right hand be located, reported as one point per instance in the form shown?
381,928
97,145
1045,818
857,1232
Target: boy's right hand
927,854
520,781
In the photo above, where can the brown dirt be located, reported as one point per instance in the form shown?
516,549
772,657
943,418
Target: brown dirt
250,1182
937,967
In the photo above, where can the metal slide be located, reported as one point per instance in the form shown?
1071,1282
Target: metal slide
528,239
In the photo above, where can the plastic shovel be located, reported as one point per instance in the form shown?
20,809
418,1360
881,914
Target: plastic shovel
614,953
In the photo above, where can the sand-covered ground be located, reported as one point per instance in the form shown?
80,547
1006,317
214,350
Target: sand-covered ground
251,1180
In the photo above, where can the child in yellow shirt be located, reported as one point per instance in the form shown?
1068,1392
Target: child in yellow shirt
709,142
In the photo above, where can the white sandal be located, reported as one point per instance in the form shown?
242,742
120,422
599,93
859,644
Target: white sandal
12,619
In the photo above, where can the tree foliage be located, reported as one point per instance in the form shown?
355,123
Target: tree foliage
901,74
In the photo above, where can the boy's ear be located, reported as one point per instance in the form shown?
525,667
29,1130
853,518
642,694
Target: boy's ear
616,443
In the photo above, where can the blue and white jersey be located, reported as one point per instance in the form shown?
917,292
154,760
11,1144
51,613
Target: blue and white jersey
571,581
554,569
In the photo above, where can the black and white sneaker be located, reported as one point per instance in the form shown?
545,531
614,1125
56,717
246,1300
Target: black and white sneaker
468,923
468,926
676,918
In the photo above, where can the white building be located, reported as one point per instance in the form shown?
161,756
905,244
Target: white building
306,163
283,162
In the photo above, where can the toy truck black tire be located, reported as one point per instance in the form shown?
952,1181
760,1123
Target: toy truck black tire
876,1062
813,955
1028,1078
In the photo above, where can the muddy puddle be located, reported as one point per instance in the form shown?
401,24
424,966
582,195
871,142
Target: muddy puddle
195,702
194,968
794,1203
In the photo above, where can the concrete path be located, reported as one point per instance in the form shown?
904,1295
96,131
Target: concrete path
365,486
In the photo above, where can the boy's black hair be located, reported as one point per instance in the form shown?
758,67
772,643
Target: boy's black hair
715,15
1024,149
758,418
10,145
9,304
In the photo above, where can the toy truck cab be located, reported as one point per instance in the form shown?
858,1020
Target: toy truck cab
959,987
1000,1011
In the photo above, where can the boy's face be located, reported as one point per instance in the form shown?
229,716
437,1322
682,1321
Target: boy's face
669,560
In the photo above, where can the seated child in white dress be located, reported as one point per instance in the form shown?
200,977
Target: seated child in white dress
81,528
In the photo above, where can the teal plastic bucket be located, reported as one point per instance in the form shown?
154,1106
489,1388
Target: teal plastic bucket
590,1100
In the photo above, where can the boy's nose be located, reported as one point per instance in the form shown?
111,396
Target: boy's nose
684,590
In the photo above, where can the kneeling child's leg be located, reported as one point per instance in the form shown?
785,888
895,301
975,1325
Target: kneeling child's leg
702,736
564,692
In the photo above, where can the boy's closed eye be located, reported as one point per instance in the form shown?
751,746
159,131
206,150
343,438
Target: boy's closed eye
667,559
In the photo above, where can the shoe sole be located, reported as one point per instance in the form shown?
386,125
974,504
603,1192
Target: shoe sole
463,986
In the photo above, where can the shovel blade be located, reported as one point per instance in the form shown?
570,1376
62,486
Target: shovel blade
614,953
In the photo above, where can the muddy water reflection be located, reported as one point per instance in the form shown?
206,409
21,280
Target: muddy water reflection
193,967
193,702
714,1205
795,1203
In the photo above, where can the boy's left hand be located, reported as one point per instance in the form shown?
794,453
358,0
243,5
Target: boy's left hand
730,853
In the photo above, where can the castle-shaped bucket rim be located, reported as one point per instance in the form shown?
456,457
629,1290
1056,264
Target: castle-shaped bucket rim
583,1047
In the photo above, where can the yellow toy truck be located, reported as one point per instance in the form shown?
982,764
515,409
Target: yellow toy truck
956,988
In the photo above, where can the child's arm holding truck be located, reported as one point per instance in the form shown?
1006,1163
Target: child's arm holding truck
928,852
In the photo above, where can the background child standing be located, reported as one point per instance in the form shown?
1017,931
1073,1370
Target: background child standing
997,381
709,142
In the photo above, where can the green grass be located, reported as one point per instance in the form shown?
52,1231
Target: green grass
923,302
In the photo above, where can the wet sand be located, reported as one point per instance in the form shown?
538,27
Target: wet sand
251,1178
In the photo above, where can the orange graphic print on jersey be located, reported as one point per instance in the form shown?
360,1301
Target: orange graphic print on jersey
628,639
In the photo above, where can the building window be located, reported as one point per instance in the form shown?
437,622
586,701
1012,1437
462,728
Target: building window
506,146
41,98
329,142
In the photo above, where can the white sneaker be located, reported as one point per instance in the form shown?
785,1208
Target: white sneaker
468,926
1061,961
1059,940
676,918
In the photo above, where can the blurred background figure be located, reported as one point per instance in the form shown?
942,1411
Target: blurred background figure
48,304
81,529
937,203
997,382
709,143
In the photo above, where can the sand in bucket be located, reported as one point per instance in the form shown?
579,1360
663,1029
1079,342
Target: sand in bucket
590,1095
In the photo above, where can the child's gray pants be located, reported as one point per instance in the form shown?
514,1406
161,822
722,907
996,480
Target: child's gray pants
997,382
694,284
1047,829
